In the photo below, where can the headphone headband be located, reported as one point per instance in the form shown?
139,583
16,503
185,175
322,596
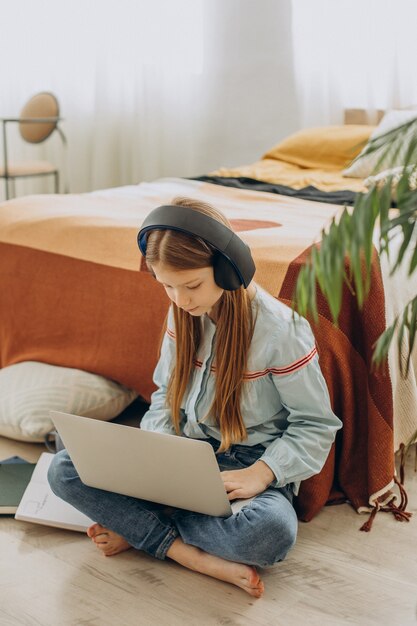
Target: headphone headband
235,266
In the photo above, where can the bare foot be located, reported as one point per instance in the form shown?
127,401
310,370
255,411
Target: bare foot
244,576
109,542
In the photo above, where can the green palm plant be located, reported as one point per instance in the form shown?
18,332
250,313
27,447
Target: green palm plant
353,234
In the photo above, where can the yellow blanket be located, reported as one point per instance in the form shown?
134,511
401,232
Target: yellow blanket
283,173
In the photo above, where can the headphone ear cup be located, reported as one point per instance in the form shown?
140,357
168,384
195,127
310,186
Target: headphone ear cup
225,275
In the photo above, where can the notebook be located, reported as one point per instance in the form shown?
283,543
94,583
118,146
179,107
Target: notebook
40,505
176,471
15,474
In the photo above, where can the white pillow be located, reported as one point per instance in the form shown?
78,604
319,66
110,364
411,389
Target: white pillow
28,390
364,166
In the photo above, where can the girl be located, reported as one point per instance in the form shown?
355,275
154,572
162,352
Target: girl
236,371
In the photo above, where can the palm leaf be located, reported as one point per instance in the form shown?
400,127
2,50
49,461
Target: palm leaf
354,235
404,326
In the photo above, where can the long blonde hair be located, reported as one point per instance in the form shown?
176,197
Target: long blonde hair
233,333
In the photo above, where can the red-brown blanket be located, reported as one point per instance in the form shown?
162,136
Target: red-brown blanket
72,295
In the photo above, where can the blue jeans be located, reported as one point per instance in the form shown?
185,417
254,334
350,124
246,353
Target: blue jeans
260,534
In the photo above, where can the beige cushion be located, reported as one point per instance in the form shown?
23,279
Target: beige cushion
29,390
367,165
29,168
41,105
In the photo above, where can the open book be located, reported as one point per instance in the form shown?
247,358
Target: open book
40,505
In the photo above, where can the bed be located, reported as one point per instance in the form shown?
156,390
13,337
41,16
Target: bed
75,294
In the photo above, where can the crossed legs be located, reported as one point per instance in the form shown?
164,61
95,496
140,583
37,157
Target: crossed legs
225,548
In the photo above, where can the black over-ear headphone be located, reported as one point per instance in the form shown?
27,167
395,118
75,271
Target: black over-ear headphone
233,264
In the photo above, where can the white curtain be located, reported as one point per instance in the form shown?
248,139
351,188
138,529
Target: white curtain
152,88
124,73
149,88
353,54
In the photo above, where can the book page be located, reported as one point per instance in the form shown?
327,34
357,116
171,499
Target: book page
40,505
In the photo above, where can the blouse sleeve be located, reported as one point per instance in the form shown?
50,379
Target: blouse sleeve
158,416
303,448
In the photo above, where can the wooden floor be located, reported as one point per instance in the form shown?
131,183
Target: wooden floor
335,575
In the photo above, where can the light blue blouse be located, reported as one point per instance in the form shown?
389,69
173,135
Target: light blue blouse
285,402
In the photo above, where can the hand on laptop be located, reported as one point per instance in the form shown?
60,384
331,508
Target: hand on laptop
248,482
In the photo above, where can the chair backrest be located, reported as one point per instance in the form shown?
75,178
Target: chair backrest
41,105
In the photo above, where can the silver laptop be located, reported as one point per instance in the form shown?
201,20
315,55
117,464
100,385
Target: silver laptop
175,471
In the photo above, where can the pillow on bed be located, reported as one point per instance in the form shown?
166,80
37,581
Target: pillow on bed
367,165
326,147
30,389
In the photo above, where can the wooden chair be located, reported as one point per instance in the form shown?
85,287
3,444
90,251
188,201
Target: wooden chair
37,121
